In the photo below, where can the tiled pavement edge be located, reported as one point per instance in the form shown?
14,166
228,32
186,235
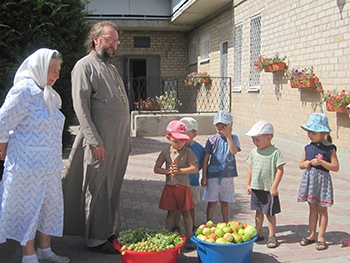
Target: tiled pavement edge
142,189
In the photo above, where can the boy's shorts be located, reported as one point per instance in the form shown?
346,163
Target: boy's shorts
224,192
262,200
176,197
196,193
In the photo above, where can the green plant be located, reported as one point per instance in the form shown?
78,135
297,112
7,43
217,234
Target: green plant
148,104
27,25
302,77
191,79
337,99
169,100
194,78
264,61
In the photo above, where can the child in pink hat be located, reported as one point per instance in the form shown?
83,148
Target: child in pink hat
179,162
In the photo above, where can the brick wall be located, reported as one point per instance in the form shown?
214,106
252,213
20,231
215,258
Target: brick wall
309,33
170,46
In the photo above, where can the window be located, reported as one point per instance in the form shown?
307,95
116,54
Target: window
192,54
142,42
255,42
205,49
237,58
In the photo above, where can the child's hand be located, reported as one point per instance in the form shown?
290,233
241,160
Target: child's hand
316,162
174,169
204,182
227,130
249,190
273,192
307,164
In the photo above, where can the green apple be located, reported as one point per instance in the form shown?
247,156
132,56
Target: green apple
219,232
206,231
209,223
228,237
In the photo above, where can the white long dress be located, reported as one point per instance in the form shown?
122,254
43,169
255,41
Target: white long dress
31,190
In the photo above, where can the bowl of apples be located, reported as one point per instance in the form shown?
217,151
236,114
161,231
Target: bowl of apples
222,242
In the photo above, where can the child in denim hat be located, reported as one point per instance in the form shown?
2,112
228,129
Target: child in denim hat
319,157
219,166
265,171
179,162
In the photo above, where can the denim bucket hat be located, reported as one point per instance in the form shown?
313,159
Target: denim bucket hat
317,122
223,117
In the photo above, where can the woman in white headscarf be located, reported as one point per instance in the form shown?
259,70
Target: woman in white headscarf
31,127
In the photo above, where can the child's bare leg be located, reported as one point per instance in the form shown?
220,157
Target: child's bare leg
170,219
177,220
323,212
271,220
210,210
259,219
313,217
193,216
225,211
188,223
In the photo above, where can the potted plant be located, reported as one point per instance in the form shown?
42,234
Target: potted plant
169,100
305,78
204,77
192,79
149,104
337,101
276,63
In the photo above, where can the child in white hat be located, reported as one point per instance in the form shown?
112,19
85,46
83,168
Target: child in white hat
265,171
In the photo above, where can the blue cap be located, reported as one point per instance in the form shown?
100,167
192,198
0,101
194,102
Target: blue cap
317,122
223,116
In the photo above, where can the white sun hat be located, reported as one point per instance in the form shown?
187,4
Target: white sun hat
260,128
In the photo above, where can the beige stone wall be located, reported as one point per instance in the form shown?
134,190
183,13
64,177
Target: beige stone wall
309,33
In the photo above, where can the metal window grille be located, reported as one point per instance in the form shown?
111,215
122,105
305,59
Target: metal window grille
237,58
205,49
255,43
192,54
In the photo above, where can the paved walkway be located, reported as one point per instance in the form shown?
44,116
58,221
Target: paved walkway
142,189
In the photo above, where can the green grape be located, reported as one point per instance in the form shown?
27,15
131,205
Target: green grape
146,240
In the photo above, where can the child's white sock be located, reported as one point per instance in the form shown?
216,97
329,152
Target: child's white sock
44,253
30,259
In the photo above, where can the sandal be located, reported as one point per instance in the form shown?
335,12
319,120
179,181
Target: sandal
190,245
272,242
105,248
305,241
260,238
321,245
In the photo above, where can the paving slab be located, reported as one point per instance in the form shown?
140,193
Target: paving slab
142,189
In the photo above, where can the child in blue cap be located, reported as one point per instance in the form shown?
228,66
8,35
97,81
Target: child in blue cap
319,157
219,166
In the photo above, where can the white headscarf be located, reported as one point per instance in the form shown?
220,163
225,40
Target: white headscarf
36,67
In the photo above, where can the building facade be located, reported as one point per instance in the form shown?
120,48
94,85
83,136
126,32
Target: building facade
224,38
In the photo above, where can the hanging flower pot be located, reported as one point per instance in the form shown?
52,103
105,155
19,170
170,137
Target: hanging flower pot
279,66
310,84
330,107
269,68
205,80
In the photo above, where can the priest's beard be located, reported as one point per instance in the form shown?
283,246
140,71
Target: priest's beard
103,53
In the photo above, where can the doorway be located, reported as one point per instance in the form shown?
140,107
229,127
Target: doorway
137,72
